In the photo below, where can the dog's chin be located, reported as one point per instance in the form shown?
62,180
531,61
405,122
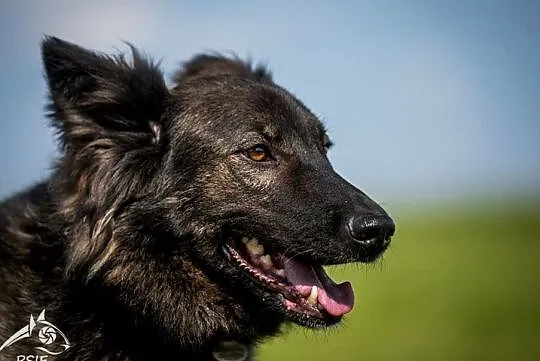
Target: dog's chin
301,292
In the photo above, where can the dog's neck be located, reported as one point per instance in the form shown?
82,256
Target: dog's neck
94,334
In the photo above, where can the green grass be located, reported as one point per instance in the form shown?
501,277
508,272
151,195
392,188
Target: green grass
455,285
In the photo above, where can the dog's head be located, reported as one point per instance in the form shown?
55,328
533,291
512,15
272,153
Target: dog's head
217,191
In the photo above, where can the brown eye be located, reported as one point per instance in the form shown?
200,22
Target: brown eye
259,153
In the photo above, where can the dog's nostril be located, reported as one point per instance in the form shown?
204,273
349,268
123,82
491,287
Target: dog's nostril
371,230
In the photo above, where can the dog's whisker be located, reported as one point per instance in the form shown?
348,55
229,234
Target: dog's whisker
301,253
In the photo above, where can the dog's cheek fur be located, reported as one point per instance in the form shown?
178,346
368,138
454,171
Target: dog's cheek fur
163,285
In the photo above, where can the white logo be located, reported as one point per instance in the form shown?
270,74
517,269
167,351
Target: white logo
47,334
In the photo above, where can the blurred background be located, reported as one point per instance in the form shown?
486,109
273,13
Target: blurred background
434,107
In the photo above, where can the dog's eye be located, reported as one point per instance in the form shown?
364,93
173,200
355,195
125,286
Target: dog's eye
259,153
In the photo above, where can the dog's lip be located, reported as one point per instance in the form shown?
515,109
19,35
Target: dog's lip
292,300
305,288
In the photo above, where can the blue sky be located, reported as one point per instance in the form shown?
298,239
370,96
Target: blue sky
425,100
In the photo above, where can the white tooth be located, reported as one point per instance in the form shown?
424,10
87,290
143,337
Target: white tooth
255,248
280,272
312,299
245,240
266,260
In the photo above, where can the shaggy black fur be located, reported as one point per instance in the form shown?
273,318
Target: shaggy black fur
123,245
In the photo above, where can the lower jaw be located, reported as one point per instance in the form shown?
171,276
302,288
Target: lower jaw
303,319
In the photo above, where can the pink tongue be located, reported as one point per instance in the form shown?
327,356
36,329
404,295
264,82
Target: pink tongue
336,299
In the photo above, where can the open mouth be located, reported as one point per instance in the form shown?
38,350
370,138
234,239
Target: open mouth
306,290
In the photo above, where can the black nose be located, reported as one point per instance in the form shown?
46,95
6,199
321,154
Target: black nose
371,230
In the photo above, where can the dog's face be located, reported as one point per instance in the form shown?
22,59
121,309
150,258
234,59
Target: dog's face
226,170
279,208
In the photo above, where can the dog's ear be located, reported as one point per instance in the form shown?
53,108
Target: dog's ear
96,96
109,113
204,65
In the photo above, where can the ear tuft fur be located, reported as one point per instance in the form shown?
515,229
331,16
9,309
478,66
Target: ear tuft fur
208,65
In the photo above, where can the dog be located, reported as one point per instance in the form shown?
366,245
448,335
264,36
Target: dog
187,221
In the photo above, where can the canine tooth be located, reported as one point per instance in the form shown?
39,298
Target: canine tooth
280,272
312,299
245,240
255,248
266,260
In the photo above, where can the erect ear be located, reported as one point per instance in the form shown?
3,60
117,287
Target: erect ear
94,96
205,65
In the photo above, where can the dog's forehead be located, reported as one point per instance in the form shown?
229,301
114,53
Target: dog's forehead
238,106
